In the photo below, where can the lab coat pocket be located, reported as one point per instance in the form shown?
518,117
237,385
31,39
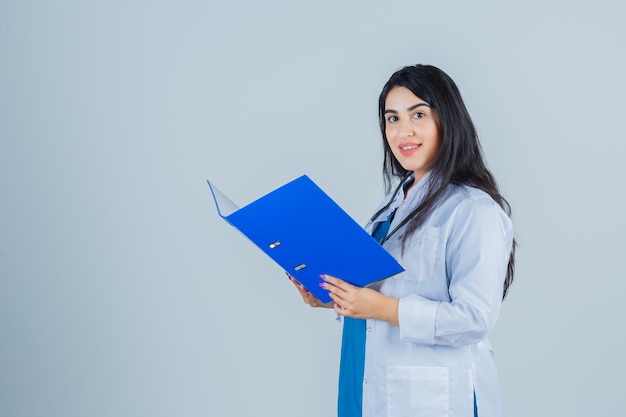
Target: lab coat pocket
417,391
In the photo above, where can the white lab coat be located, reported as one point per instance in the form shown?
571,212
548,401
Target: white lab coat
450,297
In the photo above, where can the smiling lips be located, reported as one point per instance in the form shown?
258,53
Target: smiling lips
408,149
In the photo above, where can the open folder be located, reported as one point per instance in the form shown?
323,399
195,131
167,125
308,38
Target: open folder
305,232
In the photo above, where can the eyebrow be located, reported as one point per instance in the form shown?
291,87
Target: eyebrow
409,109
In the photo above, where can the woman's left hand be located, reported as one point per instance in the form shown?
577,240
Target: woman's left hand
360,303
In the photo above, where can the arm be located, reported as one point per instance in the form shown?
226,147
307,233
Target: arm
476,260
476,257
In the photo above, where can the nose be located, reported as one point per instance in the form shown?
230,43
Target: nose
406,128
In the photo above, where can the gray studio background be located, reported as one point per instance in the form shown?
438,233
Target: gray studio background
122,293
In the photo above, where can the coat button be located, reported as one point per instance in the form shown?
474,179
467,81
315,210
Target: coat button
369,329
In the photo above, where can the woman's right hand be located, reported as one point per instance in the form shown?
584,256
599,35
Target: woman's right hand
307,297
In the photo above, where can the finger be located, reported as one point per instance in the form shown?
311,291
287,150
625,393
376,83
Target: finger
304,293
298,285
292,279
337,282
339,310
342,311
314,302
338,300
309,298
300,289
334,290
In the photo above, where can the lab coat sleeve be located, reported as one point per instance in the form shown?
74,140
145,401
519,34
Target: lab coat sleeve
476,255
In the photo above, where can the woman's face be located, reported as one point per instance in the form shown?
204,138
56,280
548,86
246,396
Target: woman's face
412,130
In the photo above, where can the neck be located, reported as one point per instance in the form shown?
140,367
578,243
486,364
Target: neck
408,186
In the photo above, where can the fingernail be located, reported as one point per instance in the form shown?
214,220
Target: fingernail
322,276
322,284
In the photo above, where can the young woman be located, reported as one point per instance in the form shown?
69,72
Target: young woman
416,344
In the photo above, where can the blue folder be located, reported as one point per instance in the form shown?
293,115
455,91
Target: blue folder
305,232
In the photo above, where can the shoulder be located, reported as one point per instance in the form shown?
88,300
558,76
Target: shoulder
462,204
466,197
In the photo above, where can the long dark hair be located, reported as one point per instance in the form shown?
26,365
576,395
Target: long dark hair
459,160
